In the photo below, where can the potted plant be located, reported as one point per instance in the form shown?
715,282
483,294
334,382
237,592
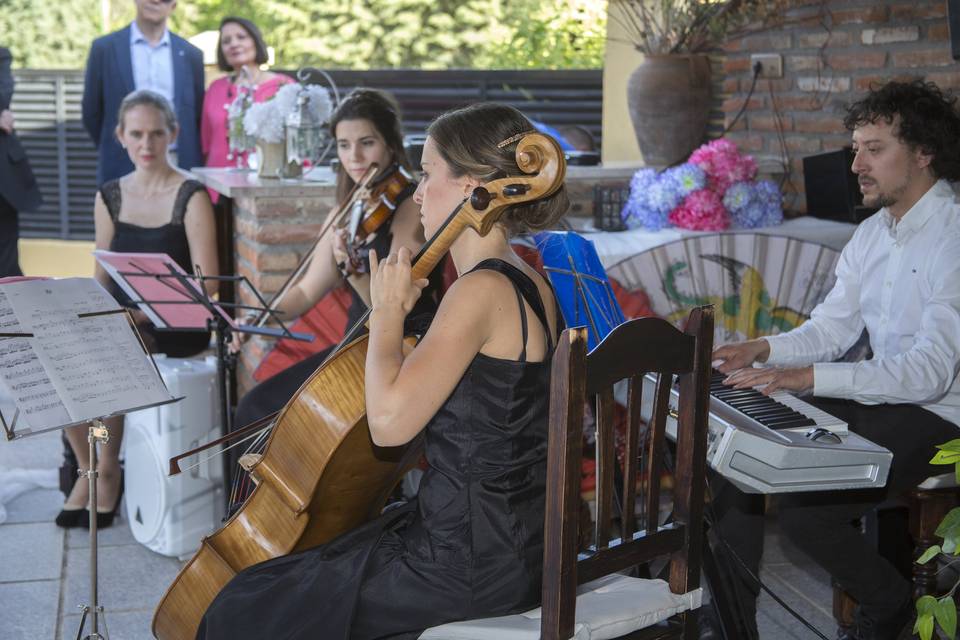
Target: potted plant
668,95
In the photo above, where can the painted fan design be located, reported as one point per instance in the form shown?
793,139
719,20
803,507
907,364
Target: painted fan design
759,284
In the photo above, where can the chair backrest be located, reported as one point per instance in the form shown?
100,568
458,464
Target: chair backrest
629,352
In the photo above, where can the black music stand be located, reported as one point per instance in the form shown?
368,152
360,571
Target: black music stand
50,322
174,300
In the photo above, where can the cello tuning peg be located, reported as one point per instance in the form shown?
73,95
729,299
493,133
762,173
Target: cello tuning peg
515,189
480,198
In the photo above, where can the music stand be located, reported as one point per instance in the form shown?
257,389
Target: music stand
174,300
70,356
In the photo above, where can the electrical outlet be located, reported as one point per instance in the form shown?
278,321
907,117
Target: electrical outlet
771,64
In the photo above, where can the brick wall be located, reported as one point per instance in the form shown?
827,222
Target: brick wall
832,51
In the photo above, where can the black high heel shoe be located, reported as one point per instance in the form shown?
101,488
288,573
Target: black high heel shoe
105,518
71,518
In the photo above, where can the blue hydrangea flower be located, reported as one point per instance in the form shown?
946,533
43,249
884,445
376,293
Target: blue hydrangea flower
753,205
638,211
688,178
739,196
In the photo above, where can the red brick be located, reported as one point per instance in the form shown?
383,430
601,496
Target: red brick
859,60
938,32
825,123
769,123
802,103
833,142
866,83
778,85
730,85
803,63
747,142
832,39
733,45
732,105
859,15
925,10
801,144
736,65
771,41
739,126
939,57
945,79
268,259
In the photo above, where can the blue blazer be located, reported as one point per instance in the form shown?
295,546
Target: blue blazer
109,78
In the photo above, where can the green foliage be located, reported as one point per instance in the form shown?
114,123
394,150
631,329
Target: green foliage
37,34
944,610
354,34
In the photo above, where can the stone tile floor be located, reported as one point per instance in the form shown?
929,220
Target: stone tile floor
44,570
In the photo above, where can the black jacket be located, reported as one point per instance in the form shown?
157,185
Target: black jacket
18,186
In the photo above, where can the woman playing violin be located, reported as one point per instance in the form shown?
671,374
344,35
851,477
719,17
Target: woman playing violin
366,127
471,543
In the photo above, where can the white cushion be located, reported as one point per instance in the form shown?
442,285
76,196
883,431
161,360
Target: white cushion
610,607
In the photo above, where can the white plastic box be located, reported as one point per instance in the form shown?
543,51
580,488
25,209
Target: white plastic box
170,515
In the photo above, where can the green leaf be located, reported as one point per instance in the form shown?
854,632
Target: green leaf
926,605
931,552
952,445
946,615
950,525
950,545
945,457
924,626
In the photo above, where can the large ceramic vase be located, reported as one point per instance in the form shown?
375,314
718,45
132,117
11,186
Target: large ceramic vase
669,101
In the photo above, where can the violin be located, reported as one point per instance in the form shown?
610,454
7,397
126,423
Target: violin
369,214
369,205
320,474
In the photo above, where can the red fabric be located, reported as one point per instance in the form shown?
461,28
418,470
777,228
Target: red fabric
327,320
635,304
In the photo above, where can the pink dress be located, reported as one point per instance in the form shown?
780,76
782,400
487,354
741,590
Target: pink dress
213,124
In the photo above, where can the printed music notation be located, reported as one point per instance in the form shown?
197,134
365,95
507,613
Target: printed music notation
72,368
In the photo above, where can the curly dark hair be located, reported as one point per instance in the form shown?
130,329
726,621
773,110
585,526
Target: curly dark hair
927,119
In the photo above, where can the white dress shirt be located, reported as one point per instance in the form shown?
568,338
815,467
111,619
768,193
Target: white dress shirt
152,63
902,282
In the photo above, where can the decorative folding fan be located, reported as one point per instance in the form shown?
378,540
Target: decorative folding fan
759,284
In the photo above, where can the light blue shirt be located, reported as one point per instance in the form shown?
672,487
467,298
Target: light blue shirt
152,64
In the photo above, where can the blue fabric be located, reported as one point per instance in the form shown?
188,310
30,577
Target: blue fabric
553,133
581,284
109,78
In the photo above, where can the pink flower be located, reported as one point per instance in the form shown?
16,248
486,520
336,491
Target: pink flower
724,165
702,210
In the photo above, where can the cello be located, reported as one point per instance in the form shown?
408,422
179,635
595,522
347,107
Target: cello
320,474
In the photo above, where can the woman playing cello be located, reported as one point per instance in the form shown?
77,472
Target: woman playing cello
471,543
367,130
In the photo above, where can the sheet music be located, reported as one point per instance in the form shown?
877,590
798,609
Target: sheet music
23,377
74,368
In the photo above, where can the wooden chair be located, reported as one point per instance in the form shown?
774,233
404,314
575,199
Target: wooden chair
583,594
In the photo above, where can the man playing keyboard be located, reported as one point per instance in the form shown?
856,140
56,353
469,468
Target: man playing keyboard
898,277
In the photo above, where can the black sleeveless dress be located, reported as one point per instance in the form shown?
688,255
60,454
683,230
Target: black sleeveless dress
469,545
170,239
